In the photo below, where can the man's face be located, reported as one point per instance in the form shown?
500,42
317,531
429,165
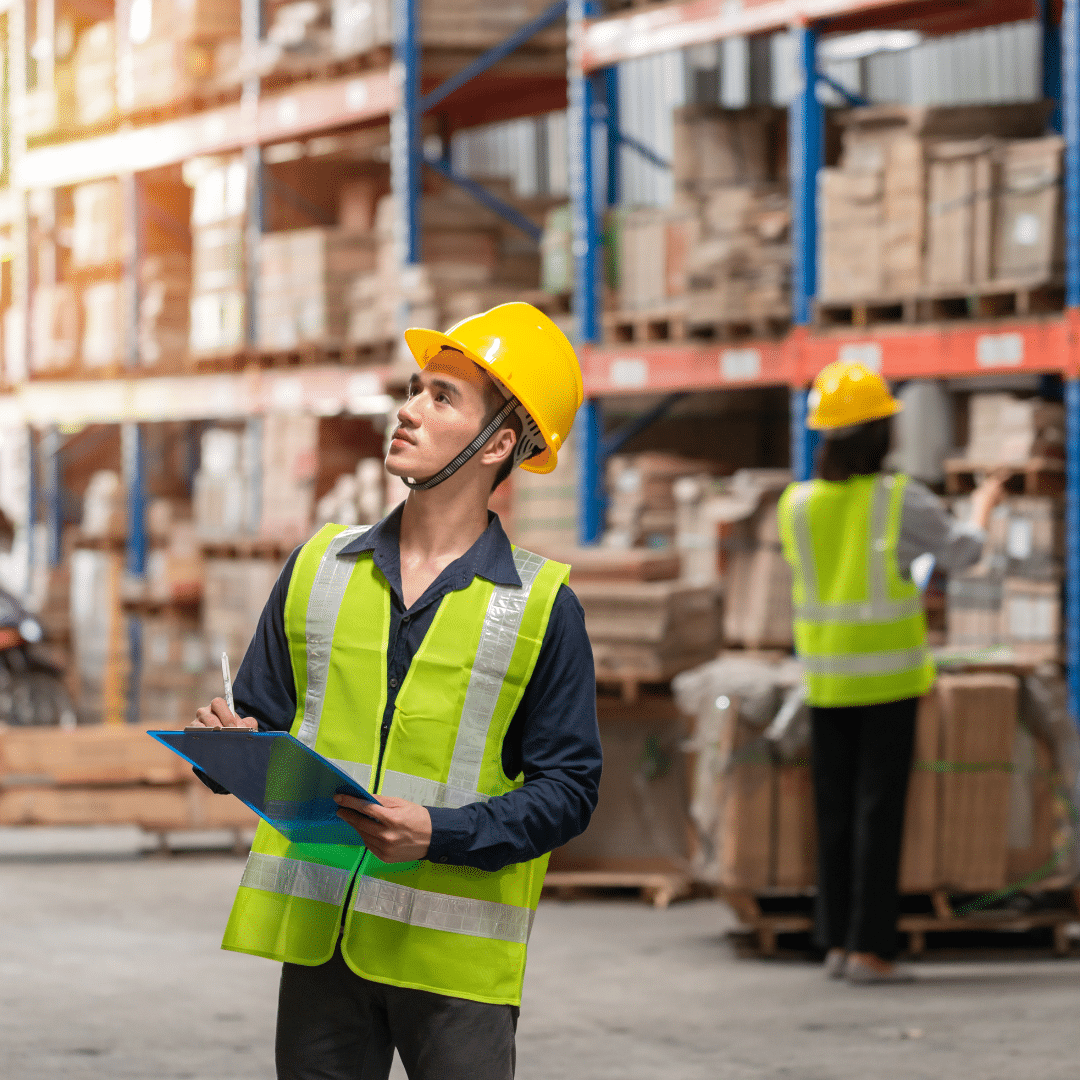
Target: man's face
443,414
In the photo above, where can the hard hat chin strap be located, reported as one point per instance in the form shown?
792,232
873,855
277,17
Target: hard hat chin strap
490,428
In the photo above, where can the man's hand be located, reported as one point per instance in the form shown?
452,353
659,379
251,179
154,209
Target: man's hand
217,715
396,831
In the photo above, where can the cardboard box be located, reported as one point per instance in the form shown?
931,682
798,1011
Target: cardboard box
978,728
1030,232
919,854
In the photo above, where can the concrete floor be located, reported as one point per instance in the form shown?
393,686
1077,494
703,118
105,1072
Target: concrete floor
111,970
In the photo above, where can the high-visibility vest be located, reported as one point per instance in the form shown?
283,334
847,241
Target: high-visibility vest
860,630
452,930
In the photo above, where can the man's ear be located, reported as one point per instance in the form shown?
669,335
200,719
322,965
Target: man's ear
500,446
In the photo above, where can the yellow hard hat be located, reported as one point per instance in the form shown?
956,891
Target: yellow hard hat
846,394
525,352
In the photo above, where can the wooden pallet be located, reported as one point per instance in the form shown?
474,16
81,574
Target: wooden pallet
661,324
658,888
774,325
985,300
1036,476
765,926
250,547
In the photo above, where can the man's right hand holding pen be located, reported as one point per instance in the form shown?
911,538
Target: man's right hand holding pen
218,715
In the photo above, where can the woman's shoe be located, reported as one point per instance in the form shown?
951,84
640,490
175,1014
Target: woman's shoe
863,971
835,963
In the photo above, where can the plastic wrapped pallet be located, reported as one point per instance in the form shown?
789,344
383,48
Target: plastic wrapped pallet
744,840
290,447
164,311
100,642
221,486
642,821
172,676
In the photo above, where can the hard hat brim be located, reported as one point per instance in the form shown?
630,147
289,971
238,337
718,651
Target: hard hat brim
425,345
890,408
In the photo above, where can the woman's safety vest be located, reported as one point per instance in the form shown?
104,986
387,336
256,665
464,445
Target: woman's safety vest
860,630
451,930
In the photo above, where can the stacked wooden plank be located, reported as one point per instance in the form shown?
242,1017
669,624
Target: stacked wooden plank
104,775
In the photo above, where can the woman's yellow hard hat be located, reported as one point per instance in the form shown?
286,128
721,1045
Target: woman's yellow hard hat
848,393
531,358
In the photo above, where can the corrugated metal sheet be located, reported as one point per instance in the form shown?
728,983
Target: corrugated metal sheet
997,64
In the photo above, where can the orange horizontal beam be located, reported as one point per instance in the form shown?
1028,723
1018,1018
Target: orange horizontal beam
900,352
304,110
651,30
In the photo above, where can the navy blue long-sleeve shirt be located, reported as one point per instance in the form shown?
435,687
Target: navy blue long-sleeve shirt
553,739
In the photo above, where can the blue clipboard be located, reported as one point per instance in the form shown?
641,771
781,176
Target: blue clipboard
284,781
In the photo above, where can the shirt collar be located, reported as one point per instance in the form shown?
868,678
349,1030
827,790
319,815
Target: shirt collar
491,556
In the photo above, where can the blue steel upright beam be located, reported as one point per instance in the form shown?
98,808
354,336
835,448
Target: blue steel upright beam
1051,61
585,101
406,136
54,506
134,465
1070,107
806,147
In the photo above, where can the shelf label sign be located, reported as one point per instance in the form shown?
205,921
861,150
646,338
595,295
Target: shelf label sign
861,352
628,373
999,350
740,365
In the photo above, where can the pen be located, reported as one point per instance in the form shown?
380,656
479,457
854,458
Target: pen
226,674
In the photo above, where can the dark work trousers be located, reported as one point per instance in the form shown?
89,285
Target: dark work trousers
861,763
334,1025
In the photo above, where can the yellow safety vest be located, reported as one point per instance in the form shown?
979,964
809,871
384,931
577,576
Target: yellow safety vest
451,930
860,630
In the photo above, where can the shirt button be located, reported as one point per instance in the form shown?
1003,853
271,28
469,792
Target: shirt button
444,859
393,684
406,618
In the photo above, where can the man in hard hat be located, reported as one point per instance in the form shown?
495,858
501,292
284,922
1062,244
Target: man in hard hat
851,535
450,673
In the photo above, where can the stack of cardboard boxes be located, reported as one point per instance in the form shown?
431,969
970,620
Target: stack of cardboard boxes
169,49
218,252
927,200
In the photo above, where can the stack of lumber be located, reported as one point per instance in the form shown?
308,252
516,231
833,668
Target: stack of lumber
648,631
105,775
304,277
217,265
916,203
174,47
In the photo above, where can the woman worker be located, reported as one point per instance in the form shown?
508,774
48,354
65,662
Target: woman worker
850,535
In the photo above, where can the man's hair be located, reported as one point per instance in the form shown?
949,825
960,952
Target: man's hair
494,400
859,454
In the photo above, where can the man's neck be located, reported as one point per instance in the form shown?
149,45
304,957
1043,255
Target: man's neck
440,525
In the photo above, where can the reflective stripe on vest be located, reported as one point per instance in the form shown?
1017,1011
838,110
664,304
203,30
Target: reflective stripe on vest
331,581
879,608
438,911
498,637
296,877
877,663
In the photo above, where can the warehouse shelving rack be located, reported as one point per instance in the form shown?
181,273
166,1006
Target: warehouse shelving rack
1037,345
460,88
415,82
